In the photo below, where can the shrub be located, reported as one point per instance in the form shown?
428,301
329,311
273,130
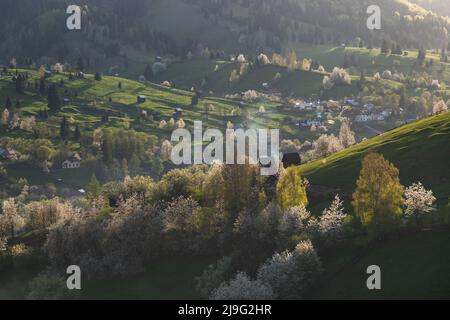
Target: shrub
243,288
292,274
214,276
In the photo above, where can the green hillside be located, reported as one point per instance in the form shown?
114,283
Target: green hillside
414,266
421,151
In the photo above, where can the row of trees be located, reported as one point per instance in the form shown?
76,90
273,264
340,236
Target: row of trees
259,224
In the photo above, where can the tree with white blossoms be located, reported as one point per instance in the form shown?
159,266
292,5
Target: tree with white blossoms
262,109
5,117
171,123
332,220
241,59
387,74
326,145
166,149
3,245
28,124
293,221
292,274
340,76
230,125
163,124
346,135
263,59
243,288
10,221
377,76
180,124
327,83
418,201
15,122
97,137
440,107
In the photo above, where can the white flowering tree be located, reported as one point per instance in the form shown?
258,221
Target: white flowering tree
326,145
293,222
291,274
10,220
377,76
332,220
241,58
418,201
180,124
263,59
346,135
166,149
5,117
163,124
243,288
440,107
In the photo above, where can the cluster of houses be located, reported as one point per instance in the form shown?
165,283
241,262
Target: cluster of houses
321,114
366,113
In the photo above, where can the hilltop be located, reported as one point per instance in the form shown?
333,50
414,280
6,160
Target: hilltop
125,36
420,150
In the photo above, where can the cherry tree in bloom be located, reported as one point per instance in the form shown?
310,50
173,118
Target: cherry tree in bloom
418,201
332,220
243,288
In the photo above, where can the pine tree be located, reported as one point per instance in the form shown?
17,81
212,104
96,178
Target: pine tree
135,165
64,129
98,76
20,83
54,100
94,189
77,134
148,73
80,64
107,149
42,88
421,56
8,104
385,47
403,98
194,100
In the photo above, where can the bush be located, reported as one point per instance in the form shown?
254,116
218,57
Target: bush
43,214
214,275
292,274
243,288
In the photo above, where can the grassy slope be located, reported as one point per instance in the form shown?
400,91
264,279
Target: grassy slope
300,83
412,267
421,151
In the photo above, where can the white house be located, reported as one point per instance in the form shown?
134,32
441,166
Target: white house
71,163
